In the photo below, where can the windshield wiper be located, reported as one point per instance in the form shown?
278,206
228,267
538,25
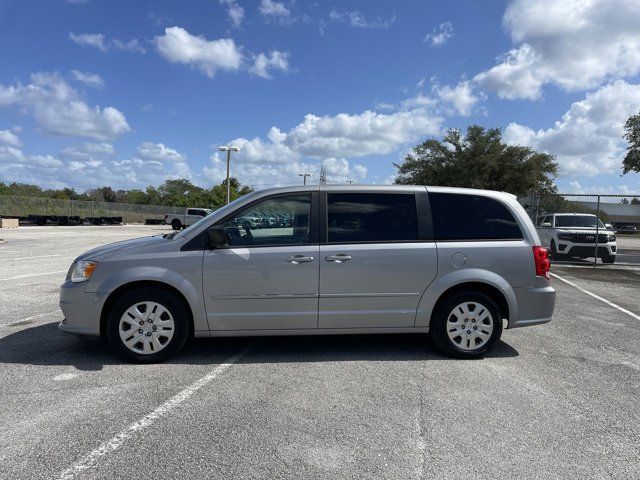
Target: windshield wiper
169,236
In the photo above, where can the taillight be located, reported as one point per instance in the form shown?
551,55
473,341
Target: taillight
541,259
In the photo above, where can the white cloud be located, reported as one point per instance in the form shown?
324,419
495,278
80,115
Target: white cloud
179,46
440,34
159,152
91,165
368,133
95,40
264,64
90,79
462,97
234,11
100,41
356,19
340,170
575,44
88,151
7,137
13,158
587,140
323,140
132,45
210,56
275,12
59,110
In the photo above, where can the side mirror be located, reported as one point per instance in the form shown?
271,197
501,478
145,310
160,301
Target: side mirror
217,237
546,225
608,226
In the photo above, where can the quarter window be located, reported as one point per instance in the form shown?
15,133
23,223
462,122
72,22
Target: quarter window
471,217
371,217
276,221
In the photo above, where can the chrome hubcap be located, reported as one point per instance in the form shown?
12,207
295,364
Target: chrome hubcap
469,326
146,327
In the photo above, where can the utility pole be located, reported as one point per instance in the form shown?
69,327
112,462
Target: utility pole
323,175
228,149
304,177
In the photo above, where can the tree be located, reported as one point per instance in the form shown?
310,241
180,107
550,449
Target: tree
478,160
635,201
631,161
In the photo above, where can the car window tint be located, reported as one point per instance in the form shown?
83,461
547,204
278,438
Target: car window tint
371,217
281,220
191,211
471,217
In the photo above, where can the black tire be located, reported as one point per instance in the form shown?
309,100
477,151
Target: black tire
440,318
182,329
553,251
176,224
608,259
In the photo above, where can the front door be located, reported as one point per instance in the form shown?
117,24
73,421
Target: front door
268,277
374,268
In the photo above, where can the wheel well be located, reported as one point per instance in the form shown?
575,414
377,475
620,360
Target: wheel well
494,293
128,287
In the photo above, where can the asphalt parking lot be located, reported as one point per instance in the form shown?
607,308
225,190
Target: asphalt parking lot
553,401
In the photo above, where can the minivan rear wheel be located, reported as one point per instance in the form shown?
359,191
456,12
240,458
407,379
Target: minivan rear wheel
147,325
466,325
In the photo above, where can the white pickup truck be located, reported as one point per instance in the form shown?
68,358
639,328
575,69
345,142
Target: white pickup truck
190,216
576,235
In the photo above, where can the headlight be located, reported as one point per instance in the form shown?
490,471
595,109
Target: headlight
564,236
612,238
83,271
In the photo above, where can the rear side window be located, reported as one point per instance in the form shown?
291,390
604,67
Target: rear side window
371,217
471,217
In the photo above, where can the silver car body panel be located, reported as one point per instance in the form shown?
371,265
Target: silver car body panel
385,287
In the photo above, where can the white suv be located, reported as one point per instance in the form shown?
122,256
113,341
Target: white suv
576,235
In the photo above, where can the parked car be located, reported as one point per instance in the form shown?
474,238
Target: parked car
576,235
625,227
188,218
450,262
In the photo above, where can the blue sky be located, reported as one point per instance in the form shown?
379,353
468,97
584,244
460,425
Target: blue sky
128,94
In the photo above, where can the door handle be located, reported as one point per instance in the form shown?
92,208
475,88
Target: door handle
338,258
296,259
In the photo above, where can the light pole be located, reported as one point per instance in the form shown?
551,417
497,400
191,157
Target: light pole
304,177
228,149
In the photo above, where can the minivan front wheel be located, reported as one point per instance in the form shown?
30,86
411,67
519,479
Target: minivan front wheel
147,325
466,325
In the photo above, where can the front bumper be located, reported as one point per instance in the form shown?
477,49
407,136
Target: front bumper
81,309
585,249
535,306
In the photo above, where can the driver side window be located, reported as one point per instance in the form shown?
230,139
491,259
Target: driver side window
276,221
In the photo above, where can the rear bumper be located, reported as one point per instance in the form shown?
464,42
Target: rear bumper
81,310
535,306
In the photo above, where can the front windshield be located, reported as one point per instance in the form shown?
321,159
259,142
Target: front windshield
578,221
221,210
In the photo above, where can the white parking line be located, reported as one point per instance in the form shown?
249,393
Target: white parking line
597,297
113,444
29,258
32,317
33,275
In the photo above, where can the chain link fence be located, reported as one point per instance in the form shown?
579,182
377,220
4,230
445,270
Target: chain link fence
587,228
21,207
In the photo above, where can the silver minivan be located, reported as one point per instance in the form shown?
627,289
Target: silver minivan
456,263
